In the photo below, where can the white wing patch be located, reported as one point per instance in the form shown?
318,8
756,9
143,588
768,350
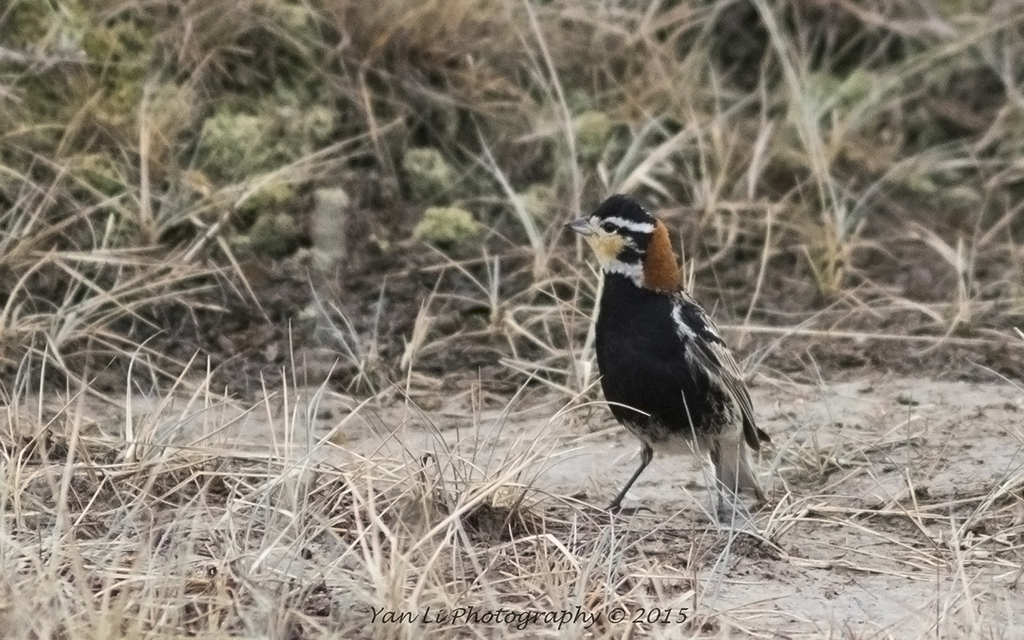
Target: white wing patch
682,329
706,350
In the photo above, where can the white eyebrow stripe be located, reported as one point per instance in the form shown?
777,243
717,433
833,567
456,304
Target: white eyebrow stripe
640,227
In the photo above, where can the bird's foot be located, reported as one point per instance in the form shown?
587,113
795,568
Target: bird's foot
732,511
617,509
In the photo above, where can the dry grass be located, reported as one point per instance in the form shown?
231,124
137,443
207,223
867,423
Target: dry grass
224,520
844,178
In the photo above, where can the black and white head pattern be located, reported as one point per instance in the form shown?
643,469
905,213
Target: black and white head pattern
622,231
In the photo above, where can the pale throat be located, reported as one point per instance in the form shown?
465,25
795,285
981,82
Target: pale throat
607,249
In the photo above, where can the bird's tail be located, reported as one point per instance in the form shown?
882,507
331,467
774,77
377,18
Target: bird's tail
735,471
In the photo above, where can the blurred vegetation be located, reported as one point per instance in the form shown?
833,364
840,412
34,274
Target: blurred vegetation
146,145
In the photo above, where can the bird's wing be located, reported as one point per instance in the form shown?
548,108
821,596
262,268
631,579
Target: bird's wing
709,351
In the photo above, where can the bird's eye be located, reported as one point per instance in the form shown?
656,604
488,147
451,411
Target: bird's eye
608,226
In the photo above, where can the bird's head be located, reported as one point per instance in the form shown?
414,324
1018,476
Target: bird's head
629,241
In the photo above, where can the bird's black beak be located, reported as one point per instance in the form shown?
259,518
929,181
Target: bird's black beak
581,226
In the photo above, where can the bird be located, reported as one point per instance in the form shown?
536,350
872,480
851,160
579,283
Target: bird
666,372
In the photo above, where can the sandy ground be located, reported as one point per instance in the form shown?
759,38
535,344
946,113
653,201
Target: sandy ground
895,505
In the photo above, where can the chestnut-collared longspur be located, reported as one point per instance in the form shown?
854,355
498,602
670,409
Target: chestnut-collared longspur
666,372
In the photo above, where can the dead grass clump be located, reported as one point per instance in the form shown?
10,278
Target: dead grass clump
211,522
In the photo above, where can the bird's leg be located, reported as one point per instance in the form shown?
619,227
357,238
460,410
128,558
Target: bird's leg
732,476
646,455
714,452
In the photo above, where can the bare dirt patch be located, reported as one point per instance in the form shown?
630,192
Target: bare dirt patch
897,505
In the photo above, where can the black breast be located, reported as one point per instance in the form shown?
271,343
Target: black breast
643,365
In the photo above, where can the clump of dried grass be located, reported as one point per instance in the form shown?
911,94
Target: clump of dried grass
272,529
171,530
